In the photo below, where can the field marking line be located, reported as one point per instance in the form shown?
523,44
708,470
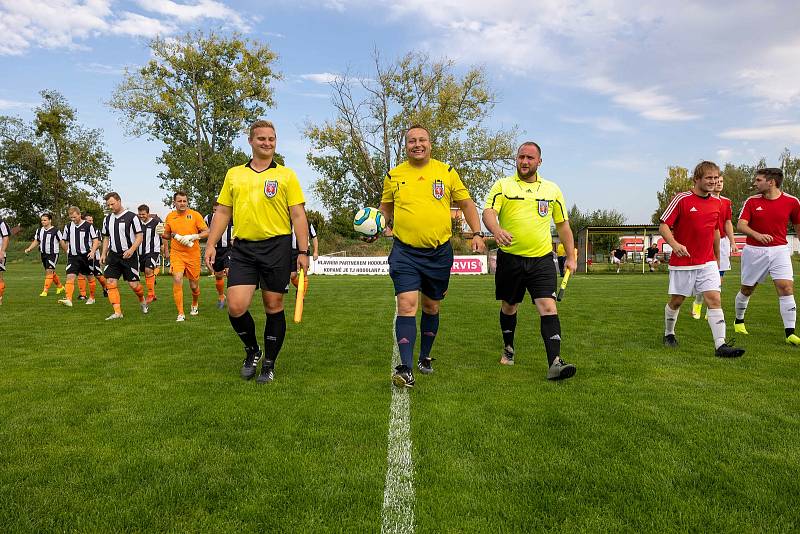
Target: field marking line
398,493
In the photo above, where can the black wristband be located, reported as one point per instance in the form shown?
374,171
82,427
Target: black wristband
478,234
303,252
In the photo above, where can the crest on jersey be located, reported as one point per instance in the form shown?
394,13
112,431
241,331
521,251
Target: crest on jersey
544,208
189,216
271,188
438,189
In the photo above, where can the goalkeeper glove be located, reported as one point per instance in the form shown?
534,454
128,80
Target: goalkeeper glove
160,228
192,238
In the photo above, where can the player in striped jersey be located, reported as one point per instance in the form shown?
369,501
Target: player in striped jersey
222,259
150,250
122,235
47,239
80,241
727,245
764,219
94,263
691,226
5,234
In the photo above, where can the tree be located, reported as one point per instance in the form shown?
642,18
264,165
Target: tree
791,173
197,95
677,180
353,152
598,242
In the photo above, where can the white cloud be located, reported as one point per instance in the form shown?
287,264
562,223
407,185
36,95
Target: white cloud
785,133
136,25
724,154
320,77
627,164
14,104
202,9
603,124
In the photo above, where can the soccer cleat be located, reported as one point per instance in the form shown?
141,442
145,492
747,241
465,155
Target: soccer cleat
250,364
560,370
194,311
144,306
81,297
221,304
728,351
114,316
740,329
402,377
65,302
267,374
696,310
508,356
790,340
43,294
60,290
425,366
670,341
89,301
181,318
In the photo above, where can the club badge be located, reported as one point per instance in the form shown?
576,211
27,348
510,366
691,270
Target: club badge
544,208
438,189
270,188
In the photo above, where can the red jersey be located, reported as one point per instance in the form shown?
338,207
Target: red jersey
770,217
727,213
693,220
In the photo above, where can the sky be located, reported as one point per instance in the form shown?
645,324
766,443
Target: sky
614,91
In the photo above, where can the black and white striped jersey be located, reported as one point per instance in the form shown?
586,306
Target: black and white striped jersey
48,239
4,230
312,233
97,252
227,236
121,230
151,241
79,238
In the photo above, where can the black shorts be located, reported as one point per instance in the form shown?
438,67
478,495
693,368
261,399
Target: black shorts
2,265
95,266
516,274
423,269
78,264
49,261
222,260
150,260
266,264
119,267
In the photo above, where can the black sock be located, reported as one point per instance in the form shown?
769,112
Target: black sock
551,334
428,328
508,323
789,331
405,330
245,328
274,332
738,321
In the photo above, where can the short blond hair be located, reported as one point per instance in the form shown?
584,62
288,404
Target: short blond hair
74,209
261,124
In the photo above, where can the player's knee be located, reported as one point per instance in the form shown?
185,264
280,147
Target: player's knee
508,309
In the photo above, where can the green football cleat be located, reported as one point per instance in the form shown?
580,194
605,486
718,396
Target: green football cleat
793,340
696,310
740,329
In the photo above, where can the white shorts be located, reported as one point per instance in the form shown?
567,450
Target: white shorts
615,260
757,262
724,254
652,260
688,282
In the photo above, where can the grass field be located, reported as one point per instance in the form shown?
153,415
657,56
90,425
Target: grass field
144,425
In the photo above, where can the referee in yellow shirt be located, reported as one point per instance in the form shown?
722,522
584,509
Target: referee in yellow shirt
518,212
267,200
417,195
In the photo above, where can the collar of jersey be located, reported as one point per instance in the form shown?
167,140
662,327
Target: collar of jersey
272,165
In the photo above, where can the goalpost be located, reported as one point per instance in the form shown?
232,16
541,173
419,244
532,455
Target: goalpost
641,234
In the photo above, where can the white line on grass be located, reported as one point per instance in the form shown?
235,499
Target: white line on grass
398,495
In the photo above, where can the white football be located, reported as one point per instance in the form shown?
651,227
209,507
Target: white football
368,222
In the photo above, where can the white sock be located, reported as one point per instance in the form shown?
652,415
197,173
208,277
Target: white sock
741,305
788,310
716,320
670,318
698,299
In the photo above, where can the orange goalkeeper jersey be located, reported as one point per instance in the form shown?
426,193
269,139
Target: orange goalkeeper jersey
190,222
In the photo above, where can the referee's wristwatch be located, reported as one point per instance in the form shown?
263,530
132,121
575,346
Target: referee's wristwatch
303,252
478,234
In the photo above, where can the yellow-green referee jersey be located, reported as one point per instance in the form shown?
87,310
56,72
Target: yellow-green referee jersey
524,210
261,200
422,197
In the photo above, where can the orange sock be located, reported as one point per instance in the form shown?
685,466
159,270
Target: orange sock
81,285
150,280
92,286
2,288
220,283
48,281
195,296
102,280
139,290
57,280
113,296
70,288
177,294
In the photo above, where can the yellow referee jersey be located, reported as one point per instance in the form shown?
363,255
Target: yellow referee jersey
422,197
261,200
525,210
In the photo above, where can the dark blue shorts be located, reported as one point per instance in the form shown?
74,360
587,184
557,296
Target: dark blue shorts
423,269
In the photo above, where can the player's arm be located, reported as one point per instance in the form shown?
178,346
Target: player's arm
3,247
315,244
34,244
105,250
492,223
219,223
134,247
716,245
731,236
744,227
95,246
470,212
300,223
566,237
63,245
666,233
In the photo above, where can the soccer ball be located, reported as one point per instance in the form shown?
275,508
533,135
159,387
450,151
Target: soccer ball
368,222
